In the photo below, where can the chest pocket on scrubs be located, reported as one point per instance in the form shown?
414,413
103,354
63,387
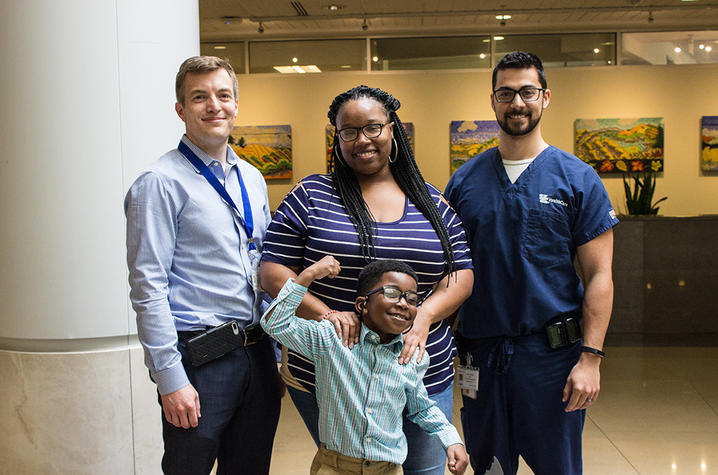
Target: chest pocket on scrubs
545,237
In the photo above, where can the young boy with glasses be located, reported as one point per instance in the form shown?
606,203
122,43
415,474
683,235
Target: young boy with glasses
362,391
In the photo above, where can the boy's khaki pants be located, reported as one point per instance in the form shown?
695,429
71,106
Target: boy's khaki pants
329,462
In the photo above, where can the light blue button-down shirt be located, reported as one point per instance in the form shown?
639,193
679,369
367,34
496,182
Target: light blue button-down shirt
363,391
187,255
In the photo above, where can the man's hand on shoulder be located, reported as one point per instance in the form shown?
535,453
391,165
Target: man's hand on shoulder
583,383
181,407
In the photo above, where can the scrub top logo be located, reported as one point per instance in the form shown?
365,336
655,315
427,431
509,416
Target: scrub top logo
612,214
546,199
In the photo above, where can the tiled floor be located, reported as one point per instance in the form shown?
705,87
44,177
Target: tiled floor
657,414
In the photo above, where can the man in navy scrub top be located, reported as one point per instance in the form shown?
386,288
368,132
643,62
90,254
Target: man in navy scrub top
531,335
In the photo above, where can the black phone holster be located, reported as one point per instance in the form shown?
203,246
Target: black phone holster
205,346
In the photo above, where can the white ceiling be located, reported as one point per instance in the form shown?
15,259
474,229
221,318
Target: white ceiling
222,20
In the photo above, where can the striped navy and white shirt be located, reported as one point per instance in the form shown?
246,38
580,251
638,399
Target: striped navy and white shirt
311,223
363,391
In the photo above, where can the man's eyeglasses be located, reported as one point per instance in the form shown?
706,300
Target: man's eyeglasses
394,295
370,131
527,94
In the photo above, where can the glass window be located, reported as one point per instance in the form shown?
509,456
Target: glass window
451,52
311,56
579,49
670,47
230,51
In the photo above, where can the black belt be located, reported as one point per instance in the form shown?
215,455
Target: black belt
249,336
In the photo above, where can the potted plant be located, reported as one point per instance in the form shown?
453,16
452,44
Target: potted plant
639,200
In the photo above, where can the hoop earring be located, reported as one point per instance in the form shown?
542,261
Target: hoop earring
396,151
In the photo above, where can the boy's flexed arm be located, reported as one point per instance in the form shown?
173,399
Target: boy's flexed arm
306,336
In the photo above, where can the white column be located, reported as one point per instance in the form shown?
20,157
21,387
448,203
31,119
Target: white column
86,103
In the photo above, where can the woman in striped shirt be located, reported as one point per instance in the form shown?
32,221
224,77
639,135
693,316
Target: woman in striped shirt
373,205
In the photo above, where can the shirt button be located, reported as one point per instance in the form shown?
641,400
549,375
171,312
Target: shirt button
369,411
368,440
376,376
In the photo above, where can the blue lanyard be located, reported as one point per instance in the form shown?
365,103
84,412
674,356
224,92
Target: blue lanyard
247,221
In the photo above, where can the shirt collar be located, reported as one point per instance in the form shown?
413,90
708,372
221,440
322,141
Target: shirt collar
231,156
395,345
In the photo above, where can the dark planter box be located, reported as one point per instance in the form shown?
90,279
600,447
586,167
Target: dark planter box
665,274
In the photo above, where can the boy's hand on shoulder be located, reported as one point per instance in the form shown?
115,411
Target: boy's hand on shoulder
457,459
327,266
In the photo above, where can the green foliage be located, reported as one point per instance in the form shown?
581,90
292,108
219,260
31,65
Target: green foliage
640,199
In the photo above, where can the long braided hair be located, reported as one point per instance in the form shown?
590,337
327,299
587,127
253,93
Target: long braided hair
403,169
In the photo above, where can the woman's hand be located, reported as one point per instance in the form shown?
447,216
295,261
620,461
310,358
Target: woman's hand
347,325
416,337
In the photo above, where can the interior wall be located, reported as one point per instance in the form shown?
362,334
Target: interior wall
432,99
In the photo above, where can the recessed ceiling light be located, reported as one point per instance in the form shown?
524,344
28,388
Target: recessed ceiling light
486,41
498,38
334,7
596,50
709,48
482,56
701,46
677,49
345,66
375,58
220,47
294,59
503,17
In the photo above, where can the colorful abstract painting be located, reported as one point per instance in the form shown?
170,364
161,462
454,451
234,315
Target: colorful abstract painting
615,146
267,147
468,138
709,143
329,137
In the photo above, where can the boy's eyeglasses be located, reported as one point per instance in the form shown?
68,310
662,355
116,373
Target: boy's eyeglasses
394,295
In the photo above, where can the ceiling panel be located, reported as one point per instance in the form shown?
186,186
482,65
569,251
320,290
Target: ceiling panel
239,19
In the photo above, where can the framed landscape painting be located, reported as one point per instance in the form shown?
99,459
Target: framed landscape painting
329,136
468,138
615,146
709,143
267,147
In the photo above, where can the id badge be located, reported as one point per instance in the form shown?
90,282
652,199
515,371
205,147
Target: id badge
467,378
254,257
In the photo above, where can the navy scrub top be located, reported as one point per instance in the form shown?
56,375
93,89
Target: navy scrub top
523,238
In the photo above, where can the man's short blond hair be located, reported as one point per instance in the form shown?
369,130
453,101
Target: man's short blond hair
202,64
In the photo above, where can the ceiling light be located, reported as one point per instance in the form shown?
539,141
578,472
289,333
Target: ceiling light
482,56
677,49
294,59
486,41
609,61
220,47
596,50
345,66
498,38
503,17
709,48
294,69
701,46
334,7
375,58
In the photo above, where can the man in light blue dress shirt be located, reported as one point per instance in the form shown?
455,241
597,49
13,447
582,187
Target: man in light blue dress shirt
196,220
